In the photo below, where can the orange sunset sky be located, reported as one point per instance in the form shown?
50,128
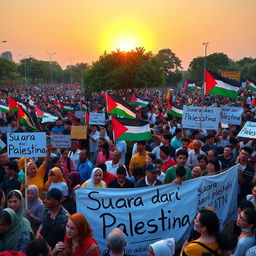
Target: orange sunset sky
80,30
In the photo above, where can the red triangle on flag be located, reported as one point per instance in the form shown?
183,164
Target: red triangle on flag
12,103
209,82
169,107
118,128
134,98
111,104
39,112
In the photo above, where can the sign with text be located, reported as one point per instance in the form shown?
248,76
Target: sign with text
60,141
26,144
234,75
80,114
5,129
78,132
231,115
97,118
166,216
248,131
201,117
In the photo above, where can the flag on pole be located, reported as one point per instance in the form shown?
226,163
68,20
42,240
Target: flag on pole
250,84
25,119
13,104
130,129
118,107
83,106
190,86
253,104
139,101
218,85
174,110
46,115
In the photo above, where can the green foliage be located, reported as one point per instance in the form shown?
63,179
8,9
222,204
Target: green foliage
7,69
120,70
214,62
171,66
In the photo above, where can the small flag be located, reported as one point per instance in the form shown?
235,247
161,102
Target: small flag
13,104
139,101
87,117
174,110
253,104
250,84
4,107
218,85
76,86
131,129
190,86
25,119
46,116
2,145
118,107
83,106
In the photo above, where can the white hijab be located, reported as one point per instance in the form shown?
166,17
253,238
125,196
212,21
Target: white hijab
91,184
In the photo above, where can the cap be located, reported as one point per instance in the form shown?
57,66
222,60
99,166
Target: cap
54,193
151,168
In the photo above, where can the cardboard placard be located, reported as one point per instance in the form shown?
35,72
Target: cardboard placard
78,132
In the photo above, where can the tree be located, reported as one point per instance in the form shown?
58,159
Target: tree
7,69
171,66
123,70
214,62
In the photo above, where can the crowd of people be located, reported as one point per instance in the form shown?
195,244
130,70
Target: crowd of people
48,223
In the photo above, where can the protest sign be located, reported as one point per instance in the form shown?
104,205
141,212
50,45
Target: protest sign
70,93
78,132
60,141
170,209
248,131
5,129
231,115
80,114
201,117
97,118
26,144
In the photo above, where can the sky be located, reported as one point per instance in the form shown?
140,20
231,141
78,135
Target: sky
74,31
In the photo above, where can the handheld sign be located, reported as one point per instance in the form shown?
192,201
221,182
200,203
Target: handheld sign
78,132
60,141
231,115
80,114
201,117
26,144
248,131
97,118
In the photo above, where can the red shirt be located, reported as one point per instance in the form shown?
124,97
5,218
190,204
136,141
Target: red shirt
169,163
109,177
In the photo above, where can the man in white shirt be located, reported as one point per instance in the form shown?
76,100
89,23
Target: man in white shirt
112,165
73,154
194,154
122,147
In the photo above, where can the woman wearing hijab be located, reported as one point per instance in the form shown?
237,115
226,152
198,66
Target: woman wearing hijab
36,208
16,231
56,180
96,180
165,247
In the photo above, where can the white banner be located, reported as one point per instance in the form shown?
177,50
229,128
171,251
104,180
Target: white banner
248,131
60,141
26,144
149,214
201,117
97,118
231,115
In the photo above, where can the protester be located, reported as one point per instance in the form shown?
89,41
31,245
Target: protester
78,239
38,247
105,154
74,152
96,180
67,164
227,160
121,180
196,172
165,247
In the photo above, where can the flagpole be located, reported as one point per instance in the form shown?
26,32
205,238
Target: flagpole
205,54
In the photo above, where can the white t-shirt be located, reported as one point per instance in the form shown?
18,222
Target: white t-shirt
62,186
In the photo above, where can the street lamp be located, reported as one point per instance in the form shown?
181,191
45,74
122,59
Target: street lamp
205,54
71,77
51,53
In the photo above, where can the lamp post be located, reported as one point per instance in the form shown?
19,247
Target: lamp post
51,53
25,69
71,77
205,54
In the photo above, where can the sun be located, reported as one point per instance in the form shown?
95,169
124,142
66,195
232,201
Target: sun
125,35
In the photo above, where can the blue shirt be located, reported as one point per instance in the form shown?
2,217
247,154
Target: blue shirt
85,170
58,130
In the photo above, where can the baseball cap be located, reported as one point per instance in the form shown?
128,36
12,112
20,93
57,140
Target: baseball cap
151,168
54,193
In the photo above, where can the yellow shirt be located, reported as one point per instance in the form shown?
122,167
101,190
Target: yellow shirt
193,249
84,185
138,161
38,180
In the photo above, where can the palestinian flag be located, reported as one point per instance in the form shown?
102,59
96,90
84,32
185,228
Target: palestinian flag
83,106
46,116
174,110
4,107
87,117
253,104
130,129
139,101
219,85
13,104
25,119
189,86
197,88
250,84
168,94
118,107
68,107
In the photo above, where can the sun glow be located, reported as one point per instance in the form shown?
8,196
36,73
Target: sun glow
125,36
